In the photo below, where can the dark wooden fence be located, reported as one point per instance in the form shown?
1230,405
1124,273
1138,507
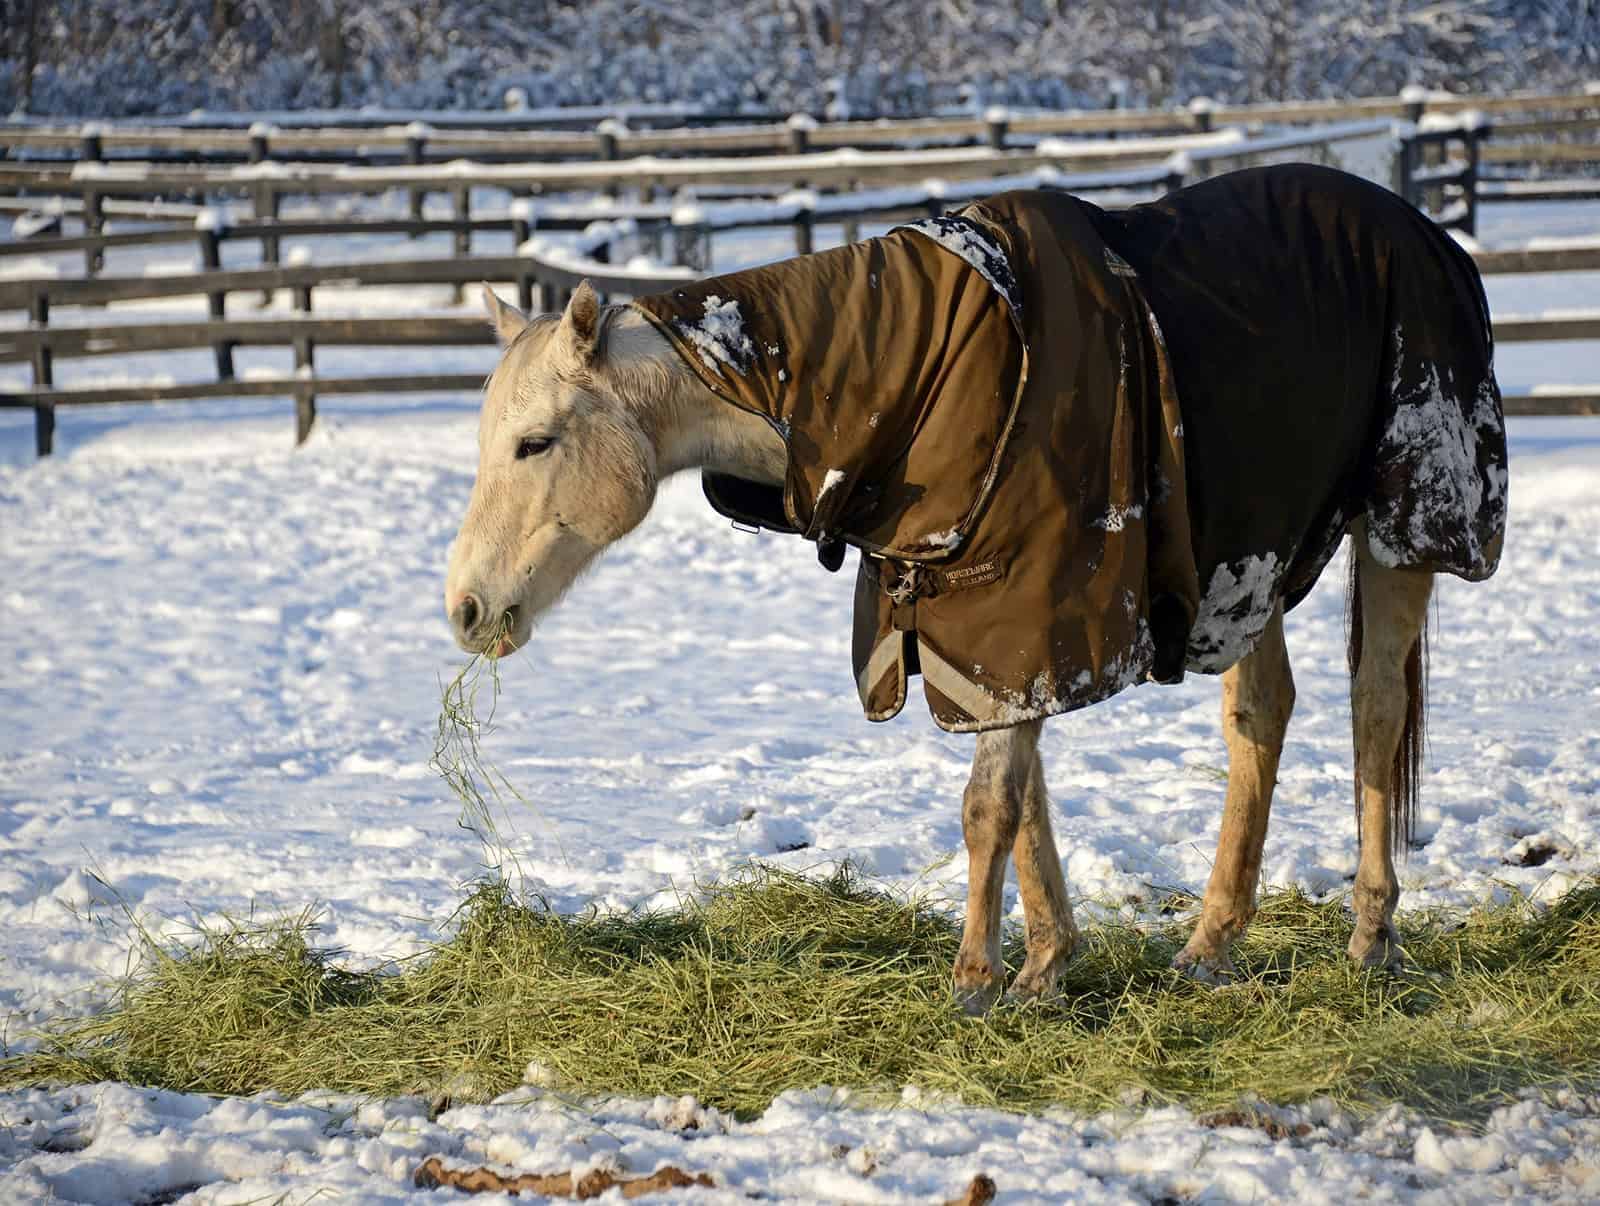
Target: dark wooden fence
1442,166
441,136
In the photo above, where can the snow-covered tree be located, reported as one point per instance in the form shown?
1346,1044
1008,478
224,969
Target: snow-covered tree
113,57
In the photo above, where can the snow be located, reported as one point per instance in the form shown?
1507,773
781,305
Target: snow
1233,612
222,662
1103,148
719,336
1563,389
275,612
213,217
967,241
1464,121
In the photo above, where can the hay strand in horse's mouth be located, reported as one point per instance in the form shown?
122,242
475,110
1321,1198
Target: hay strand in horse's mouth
458,756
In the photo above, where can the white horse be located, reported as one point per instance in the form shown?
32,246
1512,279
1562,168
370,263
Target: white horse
589,411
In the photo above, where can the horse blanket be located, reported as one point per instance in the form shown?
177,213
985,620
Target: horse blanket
1080,448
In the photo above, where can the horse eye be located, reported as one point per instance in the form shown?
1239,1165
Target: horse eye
533,446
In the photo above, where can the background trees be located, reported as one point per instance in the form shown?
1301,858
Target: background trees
884,56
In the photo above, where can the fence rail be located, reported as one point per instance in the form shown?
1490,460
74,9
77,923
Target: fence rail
433,136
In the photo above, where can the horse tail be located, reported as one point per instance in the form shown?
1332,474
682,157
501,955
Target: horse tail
1405,776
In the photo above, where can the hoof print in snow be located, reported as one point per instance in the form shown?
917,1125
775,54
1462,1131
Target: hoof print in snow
175,1193
1273,1128
433,1173
1536,850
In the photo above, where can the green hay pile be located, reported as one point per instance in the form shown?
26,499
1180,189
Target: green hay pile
776,982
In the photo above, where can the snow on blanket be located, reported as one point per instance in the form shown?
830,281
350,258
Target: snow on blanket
222,666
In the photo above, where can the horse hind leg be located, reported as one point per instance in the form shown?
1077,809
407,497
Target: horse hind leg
1052,935
991,813
1257,700
1388,654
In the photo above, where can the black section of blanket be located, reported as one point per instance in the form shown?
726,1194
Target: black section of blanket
1313,320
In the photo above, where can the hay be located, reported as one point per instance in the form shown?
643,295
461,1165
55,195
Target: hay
484,793
776,982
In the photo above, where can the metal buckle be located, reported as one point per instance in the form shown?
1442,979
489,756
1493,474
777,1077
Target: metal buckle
905,590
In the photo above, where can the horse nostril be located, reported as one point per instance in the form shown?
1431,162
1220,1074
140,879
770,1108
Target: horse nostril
467,614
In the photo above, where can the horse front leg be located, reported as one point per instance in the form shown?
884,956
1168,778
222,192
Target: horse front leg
991,812
1257,699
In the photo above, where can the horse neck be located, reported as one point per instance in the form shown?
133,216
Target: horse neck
690,426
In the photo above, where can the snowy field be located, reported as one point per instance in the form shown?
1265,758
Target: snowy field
222,661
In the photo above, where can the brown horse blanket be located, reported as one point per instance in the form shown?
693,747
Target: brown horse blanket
1052,500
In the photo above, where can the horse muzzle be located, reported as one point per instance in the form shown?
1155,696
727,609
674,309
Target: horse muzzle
481,629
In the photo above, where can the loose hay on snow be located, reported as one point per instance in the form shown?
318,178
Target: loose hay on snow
775,982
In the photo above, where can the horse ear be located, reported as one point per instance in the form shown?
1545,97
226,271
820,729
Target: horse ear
581,323
505,318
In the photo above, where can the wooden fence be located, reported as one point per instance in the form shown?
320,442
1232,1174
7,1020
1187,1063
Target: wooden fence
1146,163
1443,164
437,137
1439,167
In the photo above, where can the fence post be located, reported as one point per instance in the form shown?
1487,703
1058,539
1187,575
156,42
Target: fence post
267,199
688,243
91,147
1469,179
606,135
998,119
305,398
1179,168
260,133
521,231
209,227
416,139
92,150
461,195
1404,167
44,413
800,126
1117,99
805,226
1415,99
691,234
1433,153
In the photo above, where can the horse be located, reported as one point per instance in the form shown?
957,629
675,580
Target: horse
1160,422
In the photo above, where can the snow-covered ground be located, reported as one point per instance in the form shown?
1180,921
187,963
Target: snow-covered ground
221,677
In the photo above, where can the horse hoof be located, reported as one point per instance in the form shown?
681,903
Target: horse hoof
975,1000
1036,982
1378,952
1204,968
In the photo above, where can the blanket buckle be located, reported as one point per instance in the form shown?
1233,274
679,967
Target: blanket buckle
908,586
